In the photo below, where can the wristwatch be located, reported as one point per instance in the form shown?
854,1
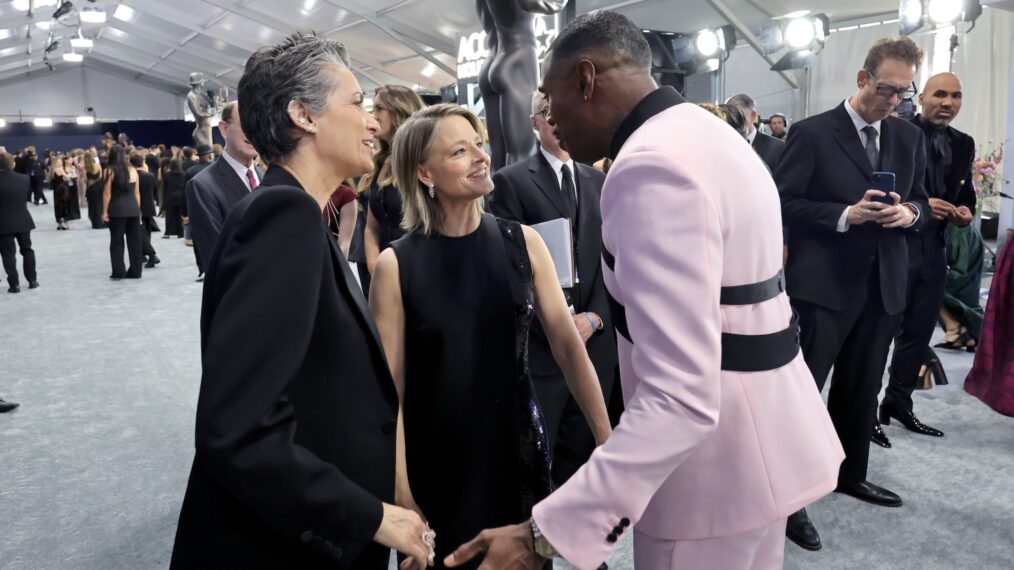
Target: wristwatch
541,544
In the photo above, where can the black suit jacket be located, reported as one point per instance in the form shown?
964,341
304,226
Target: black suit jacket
959,190
769,148
211,195
296,418
822,171
147,184
528,192
14,216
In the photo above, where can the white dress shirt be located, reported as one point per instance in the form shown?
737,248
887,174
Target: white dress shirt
860,123
752,134
240,169
557,166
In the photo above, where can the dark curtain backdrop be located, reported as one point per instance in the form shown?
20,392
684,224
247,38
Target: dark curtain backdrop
66,136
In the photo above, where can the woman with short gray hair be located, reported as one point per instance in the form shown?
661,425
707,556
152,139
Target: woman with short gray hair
295,430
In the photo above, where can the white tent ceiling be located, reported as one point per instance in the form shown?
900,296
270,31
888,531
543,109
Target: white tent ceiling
413,42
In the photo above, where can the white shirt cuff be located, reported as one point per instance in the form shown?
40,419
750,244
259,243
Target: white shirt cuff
843,223
917,213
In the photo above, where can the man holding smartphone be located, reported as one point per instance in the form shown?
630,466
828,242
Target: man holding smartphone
949,155
846,272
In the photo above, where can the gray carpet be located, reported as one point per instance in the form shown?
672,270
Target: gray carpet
94,464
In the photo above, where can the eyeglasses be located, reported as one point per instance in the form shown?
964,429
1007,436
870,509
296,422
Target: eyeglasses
903,93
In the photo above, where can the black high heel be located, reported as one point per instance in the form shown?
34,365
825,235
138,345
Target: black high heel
937,370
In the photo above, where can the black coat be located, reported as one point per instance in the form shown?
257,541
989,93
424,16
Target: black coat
769,149
211,195
528,192
148,185
296,417
959,190
823,170
14,216
173,184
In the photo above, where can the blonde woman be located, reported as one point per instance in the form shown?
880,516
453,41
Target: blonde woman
453,301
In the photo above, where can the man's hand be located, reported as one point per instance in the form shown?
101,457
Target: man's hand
896,216
942,209
506,548
584,328
867,209
961,216
402,530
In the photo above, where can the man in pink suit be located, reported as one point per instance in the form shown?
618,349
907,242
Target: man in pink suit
723,434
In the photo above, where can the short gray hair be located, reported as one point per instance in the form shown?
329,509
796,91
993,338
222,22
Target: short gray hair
538,100
298,69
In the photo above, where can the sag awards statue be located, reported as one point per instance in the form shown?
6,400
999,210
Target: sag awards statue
510,73
204,104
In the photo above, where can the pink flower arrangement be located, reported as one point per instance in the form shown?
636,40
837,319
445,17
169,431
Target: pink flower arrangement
985,175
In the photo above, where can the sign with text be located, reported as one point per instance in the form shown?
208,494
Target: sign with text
472,52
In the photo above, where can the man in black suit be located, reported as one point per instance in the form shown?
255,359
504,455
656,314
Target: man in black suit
207,155
546,186
147,184
949,156
767,147
189,158
16,225
36,172
212,193
846,273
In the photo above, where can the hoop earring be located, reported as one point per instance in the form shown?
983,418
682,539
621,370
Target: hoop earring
432,192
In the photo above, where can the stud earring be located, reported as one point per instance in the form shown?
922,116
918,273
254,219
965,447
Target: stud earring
432,192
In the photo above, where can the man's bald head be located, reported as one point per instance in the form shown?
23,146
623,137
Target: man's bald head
941,99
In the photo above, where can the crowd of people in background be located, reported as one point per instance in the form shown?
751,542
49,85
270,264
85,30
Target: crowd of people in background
465,310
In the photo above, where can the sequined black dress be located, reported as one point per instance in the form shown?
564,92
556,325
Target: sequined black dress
475,441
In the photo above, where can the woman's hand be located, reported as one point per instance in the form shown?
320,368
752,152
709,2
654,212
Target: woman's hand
403,530
105,217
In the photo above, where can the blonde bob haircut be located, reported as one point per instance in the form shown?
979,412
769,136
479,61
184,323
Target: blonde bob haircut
411,149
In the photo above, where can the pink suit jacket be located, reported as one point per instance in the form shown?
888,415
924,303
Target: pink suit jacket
688,207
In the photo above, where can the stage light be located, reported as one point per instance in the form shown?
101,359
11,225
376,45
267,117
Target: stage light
82,43
3,123
86,120
909,16
71,57
943,11
707,43
92,15
43,122
124,12
800,33
43,25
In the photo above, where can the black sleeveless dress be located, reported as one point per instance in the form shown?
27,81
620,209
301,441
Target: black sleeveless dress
475,441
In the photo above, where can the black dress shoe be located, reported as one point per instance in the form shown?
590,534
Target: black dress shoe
879,437
800,530
907,419
866,491
6,406
14,289
33,284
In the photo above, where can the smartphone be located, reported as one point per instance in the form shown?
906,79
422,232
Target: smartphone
884,181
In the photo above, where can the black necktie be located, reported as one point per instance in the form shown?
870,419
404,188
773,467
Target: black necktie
569,198
871,145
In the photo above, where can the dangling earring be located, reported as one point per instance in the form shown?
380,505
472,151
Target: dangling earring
433,193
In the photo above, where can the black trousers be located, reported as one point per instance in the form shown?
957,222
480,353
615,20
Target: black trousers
146,248
10,262
174,220
570,439
926,284
129,229
37,194
855,342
